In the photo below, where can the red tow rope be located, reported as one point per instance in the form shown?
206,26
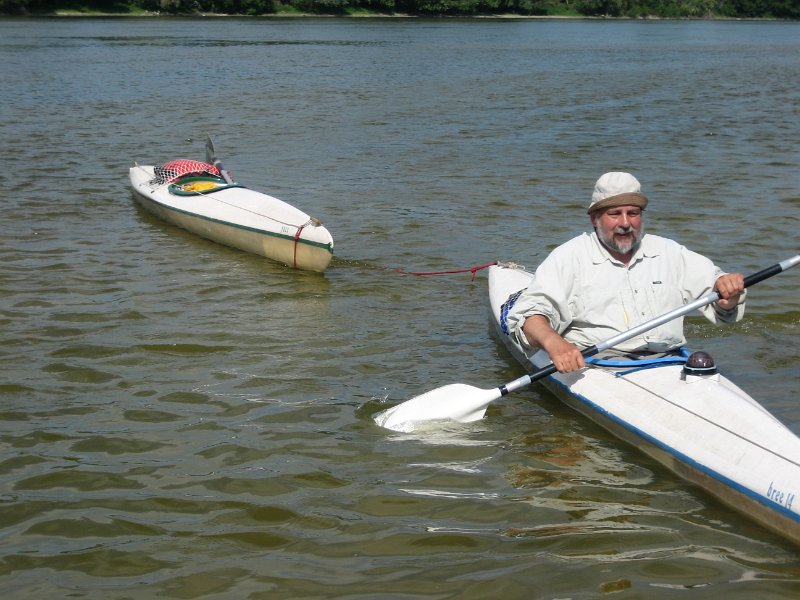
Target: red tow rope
296,242
472,270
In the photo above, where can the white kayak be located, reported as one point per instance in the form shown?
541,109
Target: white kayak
702,427
230,214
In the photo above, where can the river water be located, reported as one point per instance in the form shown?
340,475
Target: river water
183,420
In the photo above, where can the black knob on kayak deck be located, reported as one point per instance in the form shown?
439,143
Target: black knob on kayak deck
699,363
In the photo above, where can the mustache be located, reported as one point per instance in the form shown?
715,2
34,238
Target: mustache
623,230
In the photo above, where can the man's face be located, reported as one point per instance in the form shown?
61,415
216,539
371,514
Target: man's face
619,228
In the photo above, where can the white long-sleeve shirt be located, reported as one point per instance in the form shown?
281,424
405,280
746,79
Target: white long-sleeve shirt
588,296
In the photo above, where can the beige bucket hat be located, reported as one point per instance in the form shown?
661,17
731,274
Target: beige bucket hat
617,189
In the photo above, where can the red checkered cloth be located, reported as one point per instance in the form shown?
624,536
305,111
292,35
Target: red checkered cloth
175,169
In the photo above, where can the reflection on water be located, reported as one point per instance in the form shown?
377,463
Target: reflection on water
181,419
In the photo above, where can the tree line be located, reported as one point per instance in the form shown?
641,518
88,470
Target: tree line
671,9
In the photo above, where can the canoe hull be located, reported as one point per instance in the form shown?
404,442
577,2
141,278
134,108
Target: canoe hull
242,219
704,429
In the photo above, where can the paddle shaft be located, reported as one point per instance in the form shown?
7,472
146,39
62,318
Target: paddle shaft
526,380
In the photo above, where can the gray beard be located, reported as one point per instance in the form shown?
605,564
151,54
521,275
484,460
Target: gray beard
610,244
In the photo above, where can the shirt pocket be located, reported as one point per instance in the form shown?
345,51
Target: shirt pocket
660,297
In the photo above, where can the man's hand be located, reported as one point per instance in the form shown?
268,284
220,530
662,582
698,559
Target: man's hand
729,287
565,356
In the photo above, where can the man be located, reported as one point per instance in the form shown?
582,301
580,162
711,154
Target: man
600,284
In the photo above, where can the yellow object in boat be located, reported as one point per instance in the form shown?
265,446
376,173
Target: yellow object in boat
200,186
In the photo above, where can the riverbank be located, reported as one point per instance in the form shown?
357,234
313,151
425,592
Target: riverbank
507,9
352,9
288,14
76,14
387,9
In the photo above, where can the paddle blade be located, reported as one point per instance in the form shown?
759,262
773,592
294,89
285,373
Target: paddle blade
211,154
455,402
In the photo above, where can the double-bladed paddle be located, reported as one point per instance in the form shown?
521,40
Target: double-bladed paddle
464,403
211,157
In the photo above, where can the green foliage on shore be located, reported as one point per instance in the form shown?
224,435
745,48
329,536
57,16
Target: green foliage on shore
673,9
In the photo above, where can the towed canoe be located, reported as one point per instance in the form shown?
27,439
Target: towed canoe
695,422
206,202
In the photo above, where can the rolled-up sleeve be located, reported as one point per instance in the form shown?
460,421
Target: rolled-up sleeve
547,295
700,274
